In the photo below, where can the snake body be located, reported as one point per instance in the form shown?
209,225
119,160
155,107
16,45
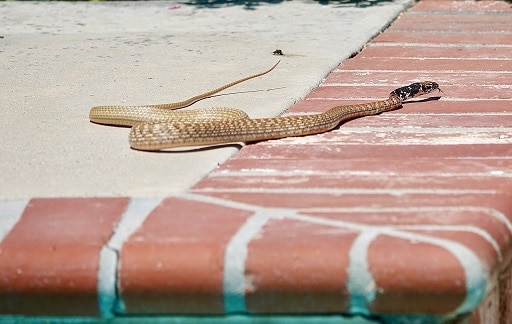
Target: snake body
155,128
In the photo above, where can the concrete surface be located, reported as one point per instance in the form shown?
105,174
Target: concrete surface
60,59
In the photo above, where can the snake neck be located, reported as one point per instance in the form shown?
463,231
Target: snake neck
342,113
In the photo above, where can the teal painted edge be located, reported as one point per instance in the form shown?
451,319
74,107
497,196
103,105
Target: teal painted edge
229,319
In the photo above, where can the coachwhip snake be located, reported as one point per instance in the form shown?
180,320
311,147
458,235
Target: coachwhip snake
158,127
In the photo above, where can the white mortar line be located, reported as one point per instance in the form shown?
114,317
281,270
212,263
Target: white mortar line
394,84
475,274
366,99
109,301
476,277
360,283
496,214
268,173
351,191
452,45
234,280
424,71
456,228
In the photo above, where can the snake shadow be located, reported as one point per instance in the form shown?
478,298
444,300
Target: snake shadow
191,149
231,93
422,100
255,4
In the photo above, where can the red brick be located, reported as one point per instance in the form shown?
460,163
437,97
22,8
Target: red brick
452,21
383,50
436,169
475,108
298,268
451,223
415,277
308,200
444,38
428,119
365,184
469,92
173,264
412,23
247,165
477,7
350,146
465,19
480,246
437,65
49,260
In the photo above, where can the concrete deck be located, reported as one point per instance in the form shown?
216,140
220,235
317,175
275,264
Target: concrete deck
60,59
398,218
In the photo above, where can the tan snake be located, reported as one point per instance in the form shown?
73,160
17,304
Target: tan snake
154,127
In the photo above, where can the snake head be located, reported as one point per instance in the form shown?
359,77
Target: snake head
428,87
415,90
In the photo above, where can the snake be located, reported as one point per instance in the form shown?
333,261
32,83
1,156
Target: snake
159,127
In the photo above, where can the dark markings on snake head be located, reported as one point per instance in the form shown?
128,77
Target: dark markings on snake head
407,91
415,89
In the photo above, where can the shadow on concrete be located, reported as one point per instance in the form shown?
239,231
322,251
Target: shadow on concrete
253,4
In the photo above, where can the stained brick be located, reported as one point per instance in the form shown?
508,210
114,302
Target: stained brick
295,267
173,264
45,266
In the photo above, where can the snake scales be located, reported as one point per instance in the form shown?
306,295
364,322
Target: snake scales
157,127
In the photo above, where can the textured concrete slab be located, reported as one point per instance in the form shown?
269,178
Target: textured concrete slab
60,59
